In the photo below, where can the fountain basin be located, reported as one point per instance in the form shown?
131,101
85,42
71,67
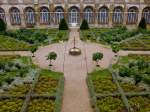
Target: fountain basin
75,51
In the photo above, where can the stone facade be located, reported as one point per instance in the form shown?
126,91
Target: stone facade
99,13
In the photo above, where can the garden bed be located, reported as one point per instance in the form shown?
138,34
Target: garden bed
129,94
43,93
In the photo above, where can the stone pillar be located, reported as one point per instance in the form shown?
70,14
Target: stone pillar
139,14
96,16
125,16
7,16
23,24
36,8
66,12
111,9
81,11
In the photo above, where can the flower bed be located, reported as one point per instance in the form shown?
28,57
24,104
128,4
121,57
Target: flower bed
41,105
111,104
42,94
141,43
11,105
18,90
103,82
46,85
140,103
132,86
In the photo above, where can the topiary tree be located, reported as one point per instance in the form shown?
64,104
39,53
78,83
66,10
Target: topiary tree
51,56
115,48
142,24
2,25
96,57
33,49
84,25
63,25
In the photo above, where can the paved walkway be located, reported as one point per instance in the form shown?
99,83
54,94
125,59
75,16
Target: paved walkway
76,96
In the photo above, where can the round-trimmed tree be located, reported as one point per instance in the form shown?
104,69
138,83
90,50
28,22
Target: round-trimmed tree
115,48
63,25
33,49
84,25
2,25
51,56
97,57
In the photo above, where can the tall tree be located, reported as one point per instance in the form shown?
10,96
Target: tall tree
2,25
63,25
84,25
142,24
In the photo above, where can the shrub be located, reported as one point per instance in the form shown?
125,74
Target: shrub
51,56
142,24
84,25
147,80
124,71
115,48
63,25
137,78
97,56
2,25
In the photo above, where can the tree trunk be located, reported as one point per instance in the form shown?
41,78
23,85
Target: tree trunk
97,63
50,62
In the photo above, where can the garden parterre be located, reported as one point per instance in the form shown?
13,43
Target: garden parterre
38,90
130,96
23,39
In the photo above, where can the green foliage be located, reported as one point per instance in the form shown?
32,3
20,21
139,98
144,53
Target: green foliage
46,85
84,25
41,105
147,80
142,24
33,49
124,71
139,103
11,105
11,44
63,25
115,48
97,56
111,104
2,25
51,56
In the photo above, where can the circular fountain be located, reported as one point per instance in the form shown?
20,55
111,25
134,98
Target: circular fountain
75,51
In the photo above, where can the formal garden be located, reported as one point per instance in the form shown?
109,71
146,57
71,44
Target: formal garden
26,87
122,87
125,86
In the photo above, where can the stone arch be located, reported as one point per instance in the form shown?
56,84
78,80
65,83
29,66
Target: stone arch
2,14
59,14
44,15
103,15
132,16
74,15
117,15
88,14
146,14
15,18
30,16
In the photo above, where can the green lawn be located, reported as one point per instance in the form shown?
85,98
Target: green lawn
11,44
